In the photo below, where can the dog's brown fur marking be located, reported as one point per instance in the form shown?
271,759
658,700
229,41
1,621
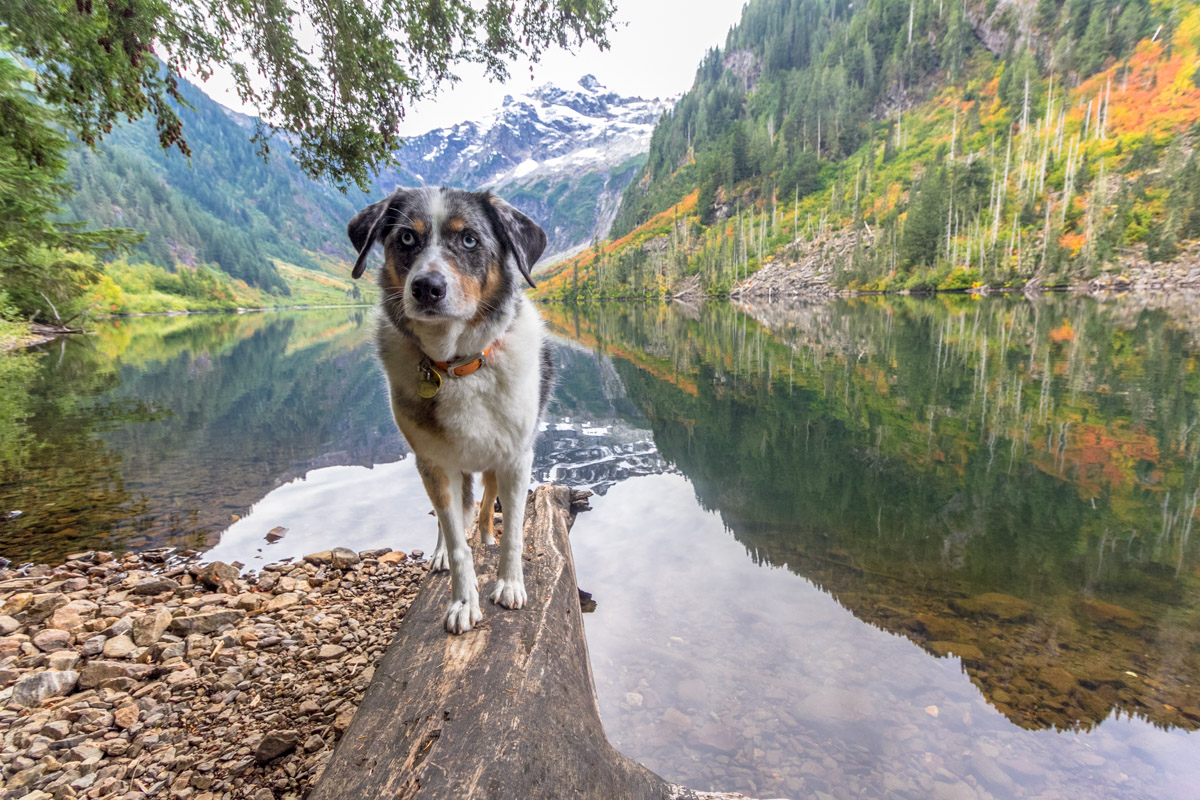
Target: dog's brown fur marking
466,281
414,416
487,506
456,224
418,225
393,282
436,484
490,295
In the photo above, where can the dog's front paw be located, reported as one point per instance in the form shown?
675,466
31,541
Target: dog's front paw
462,615
510,593
440,561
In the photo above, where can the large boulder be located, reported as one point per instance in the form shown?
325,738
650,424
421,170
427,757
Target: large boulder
37,686
207,622
149,628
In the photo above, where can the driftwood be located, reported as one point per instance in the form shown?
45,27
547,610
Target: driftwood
506,711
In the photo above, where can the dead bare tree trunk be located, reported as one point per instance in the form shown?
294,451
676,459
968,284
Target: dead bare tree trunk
505,712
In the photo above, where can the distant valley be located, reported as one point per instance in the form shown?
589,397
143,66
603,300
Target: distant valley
563,156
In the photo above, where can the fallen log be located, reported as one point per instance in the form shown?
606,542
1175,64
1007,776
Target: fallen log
506,711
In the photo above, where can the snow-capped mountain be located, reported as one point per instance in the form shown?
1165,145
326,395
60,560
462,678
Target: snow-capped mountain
563,156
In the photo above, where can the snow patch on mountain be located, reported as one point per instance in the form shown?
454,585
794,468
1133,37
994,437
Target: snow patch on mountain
542,148
545,132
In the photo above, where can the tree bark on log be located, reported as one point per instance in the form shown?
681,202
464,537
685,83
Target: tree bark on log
507,711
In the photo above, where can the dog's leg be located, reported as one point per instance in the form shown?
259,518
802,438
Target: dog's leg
440,562
468,500
446,495
510,580
487,508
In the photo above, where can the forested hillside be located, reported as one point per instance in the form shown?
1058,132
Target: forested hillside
225,206
939,144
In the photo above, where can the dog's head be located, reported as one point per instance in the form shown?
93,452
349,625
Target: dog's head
448,253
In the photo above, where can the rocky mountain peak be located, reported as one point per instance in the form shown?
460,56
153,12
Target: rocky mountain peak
542,148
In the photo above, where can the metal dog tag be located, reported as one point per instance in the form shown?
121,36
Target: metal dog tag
430,383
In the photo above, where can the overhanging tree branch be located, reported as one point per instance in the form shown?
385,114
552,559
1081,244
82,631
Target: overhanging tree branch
336,75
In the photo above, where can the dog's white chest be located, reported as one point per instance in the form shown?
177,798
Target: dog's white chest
487,418
481,421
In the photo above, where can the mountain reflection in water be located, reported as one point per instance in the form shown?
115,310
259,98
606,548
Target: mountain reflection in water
1004,490
192,430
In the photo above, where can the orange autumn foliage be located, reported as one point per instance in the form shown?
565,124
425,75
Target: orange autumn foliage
1063,333
1157,96
1097,457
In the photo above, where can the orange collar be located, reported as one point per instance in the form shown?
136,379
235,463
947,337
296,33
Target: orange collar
462,367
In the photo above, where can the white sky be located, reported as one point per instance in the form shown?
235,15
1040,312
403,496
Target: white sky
655,54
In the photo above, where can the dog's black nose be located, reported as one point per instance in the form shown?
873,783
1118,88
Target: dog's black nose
428,289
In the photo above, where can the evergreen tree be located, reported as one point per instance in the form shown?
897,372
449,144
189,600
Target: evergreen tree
1093,48
39,272
924,226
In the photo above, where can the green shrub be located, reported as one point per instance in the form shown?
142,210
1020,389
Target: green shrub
959,278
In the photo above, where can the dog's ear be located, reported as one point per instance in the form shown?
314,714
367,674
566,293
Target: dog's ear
523,237
367,226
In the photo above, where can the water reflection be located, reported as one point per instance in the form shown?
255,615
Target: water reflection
1002,490
725,674
162,431
189,431
1008,485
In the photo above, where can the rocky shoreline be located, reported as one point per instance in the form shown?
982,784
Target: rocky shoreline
154,675
808,274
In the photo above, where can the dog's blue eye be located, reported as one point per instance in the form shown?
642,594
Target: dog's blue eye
408,238
469,241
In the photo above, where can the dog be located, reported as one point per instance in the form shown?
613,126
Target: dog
468,368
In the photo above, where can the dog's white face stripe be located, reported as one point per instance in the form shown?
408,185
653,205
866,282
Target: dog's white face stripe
437,214
432,260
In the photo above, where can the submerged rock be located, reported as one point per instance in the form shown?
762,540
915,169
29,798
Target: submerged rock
995,604
1111,614
714,736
